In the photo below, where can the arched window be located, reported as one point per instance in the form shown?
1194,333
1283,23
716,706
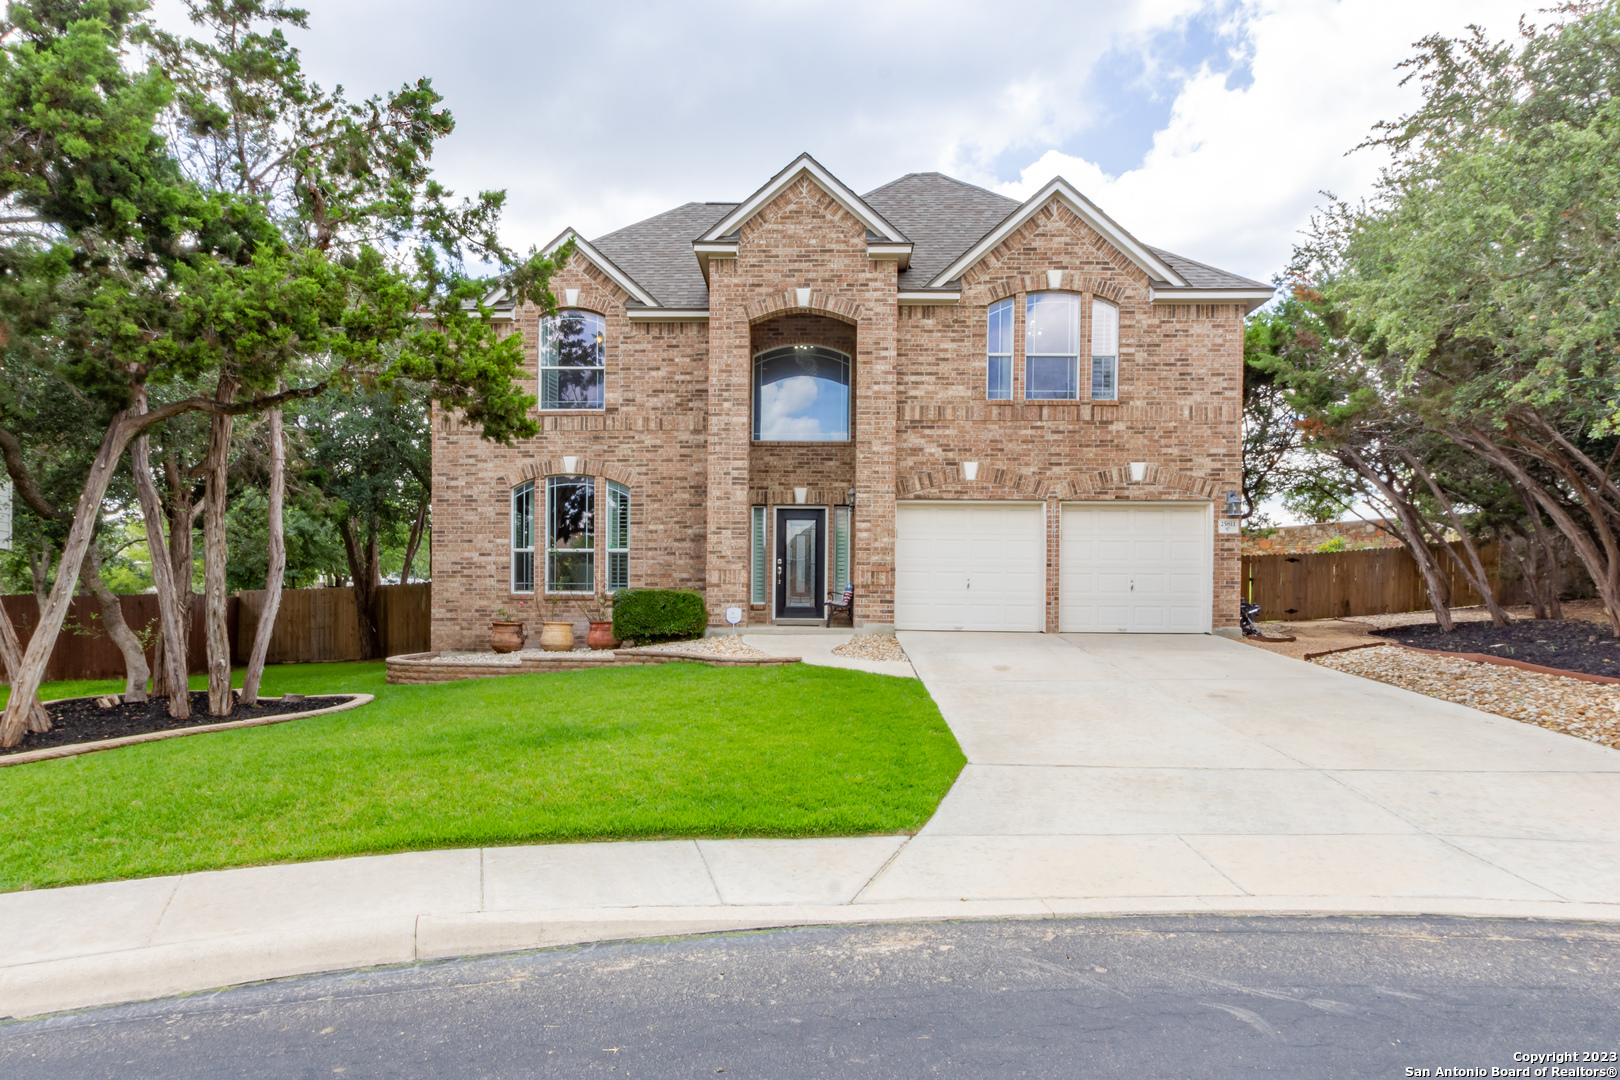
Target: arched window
999,351
573,361
1104,351
1052,347
801,394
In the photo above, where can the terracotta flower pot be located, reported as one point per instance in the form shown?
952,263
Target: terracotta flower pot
557,636
505,637
601,635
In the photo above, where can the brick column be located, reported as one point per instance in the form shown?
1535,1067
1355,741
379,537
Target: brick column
726,533
875,400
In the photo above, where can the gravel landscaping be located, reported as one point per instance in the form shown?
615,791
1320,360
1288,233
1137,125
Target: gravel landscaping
872,647
1571,706
720,645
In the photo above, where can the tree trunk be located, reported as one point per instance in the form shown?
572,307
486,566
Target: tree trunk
112,617
1603,570
363,570
11,656
418,530
1412,526
30,672
174,623
215,552
277,567
39,566
1474,568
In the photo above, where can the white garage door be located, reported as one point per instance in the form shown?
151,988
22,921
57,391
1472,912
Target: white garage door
1143,569
970,566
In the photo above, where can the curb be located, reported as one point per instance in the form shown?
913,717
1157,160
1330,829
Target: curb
52,752
213,963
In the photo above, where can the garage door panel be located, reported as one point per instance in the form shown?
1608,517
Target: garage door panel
969,566
1136,569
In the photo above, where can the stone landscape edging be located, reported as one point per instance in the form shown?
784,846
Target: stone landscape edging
1522,665
52,752
420,668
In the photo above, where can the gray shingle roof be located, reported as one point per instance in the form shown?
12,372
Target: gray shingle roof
657,252
1203,276
942,218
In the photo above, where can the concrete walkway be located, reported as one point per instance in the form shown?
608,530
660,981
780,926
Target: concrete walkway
1106,775
817,649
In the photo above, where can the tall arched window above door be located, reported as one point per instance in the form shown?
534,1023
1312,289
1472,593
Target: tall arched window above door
573,360
801,394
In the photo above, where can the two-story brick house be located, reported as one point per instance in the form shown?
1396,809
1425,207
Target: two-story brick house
982,414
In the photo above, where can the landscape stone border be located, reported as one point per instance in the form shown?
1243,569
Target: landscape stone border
51,752
419,668
1522,665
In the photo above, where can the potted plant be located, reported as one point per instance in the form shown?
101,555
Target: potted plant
556,633
601,616
505,634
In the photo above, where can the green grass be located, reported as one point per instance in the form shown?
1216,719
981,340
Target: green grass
678,750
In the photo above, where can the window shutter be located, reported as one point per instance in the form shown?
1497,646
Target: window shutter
757,594
840,549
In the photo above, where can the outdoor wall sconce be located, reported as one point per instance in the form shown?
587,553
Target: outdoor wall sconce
1234,504
1138,471
801,495
849,498
970,470
570,463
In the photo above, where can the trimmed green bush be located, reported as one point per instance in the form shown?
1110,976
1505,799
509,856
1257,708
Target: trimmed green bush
648,616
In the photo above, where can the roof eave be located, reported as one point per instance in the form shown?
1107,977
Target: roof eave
603,263
1250,298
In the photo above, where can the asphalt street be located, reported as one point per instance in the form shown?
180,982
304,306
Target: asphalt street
1120,997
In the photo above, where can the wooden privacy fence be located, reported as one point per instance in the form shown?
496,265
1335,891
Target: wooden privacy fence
1334,585
314,625
84,651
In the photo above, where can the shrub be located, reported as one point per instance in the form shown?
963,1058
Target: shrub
1335,544
647,616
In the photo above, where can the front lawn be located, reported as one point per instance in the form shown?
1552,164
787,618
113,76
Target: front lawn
678,750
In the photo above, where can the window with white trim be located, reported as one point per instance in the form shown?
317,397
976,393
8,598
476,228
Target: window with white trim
1104,351
573,360
618,545
523,537
1052,347
570,534
801,394
998,366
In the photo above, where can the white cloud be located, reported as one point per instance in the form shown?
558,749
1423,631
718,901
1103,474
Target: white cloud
783,405
1233,177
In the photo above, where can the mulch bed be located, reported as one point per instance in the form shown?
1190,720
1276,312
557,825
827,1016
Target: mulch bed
81,720
1566,644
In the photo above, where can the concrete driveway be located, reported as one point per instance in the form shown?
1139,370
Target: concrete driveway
1107,775
1117,766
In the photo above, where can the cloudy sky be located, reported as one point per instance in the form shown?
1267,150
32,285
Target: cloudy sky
1206,127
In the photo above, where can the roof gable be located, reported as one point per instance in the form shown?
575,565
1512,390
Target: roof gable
1060,190
603,263
877,226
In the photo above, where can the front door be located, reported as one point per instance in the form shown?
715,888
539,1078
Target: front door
801,564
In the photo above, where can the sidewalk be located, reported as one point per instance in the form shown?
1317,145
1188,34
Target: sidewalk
1106,775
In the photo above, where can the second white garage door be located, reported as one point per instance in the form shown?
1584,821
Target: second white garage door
1144,569
969,566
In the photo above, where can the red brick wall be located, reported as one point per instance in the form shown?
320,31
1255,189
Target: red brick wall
676,426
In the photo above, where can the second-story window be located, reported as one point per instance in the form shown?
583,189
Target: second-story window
1104,351
1052,347
801,394
998,351
573,360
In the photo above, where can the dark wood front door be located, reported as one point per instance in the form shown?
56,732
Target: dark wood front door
801,564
